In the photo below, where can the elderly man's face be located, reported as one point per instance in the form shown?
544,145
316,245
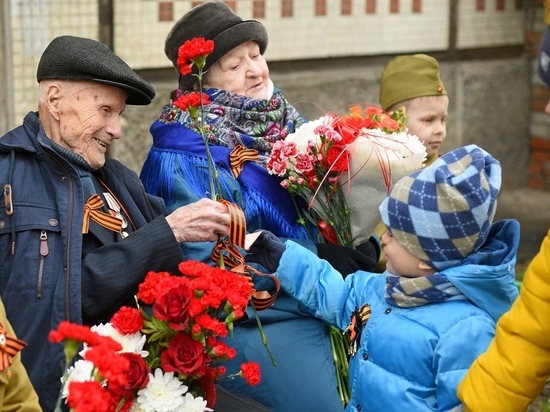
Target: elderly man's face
89,119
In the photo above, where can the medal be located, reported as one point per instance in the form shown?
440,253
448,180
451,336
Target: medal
114,210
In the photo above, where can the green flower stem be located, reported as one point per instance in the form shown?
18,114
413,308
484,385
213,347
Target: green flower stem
262,334
340,358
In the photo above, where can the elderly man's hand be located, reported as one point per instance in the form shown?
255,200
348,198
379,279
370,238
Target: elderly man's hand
205,220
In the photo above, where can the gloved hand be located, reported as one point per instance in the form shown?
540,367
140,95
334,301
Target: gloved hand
266,250
347,260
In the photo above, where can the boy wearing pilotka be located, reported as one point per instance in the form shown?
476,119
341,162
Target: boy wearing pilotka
417,327
413,81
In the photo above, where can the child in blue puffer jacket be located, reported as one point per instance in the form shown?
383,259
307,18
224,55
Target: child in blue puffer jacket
416,328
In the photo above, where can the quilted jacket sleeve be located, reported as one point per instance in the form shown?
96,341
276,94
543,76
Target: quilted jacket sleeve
317,285
515,368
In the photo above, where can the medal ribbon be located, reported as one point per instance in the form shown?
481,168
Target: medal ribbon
9,347
92,211
238,156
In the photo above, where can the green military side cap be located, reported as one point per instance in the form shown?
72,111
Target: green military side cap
408,77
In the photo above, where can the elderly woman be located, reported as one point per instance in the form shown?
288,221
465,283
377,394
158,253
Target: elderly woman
246,110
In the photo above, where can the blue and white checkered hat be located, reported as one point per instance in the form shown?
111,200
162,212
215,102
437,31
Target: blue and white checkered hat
442,213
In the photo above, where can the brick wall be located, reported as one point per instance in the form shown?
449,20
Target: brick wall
539,144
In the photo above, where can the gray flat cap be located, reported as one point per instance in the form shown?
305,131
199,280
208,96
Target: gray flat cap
78,58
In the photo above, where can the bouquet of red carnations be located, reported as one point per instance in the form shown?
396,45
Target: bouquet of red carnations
165,356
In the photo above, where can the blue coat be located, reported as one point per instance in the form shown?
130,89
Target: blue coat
410,359
47,273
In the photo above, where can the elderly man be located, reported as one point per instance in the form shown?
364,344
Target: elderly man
77,231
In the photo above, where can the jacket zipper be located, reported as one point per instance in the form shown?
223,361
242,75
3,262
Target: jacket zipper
69,236
44,250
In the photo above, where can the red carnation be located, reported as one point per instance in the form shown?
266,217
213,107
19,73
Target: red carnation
250,371
191,100
88,396
193,51
127,320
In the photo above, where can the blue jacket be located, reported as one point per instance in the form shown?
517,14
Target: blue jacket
47,273
410,359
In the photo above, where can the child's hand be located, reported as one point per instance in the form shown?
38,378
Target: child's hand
266,250
347,260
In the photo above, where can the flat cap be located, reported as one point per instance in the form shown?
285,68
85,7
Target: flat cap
78,58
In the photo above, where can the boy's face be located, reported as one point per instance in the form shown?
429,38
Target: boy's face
401,262
427,120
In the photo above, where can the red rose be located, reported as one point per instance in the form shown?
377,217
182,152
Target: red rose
137,376
184,355
173,306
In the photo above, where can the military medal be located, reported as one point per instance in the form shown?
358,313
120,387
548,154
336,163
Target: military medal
114,210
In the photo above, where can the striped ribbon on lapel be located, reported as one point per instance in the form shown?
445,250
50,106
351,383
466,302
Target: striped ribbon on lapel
92,212
9,347
238,156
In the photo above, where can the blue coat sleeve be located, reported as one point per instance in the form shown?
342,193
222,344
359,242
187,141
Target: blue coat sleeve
318,286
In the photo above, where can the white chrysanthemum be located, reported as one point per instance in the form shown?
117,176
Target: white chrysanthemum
377,161
81,371
395,145
192,404
306,132
130,343
163,393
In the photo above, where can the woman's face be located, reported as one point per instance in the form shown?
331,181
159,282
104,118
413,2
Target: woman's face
243,70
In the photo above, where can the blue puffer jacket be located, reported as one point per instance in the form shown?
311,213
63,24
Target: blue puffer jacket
47,273
411,359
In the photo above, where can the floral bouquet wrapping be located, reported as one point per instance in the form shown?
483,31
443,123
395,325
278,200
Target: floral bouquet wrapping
162,357
344,167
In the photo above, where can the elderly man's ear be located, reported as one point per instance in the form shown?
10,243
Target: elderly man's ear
53,95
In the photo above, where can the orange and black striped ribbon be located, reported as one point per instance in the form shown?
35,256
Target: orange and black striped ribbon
238,156
9,347
91,211
233,258
237,225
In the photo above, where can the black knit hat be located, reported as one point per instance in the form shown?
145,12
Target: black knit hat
212,20
78,58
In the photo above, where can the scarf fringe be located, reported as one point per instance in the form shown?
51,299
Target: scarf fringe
162,166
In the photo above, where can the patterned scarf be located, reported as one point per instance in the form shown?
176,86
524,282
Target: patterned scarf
411,292
239,120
